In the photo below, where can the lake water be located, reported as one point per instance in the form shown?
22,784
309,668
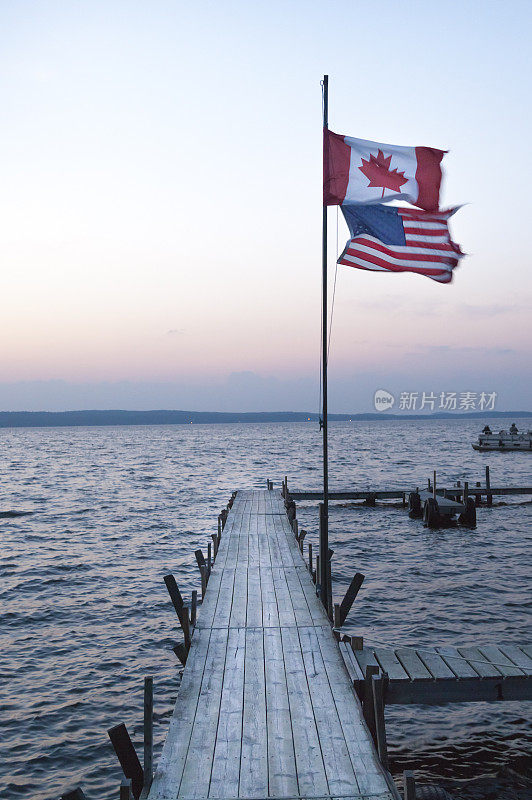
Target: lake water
84,613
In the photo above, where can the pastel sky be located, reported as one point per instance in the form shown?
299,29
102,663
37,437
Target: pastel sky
161,201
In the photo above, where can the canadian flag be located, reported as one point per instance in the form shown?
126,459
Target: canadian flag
358,171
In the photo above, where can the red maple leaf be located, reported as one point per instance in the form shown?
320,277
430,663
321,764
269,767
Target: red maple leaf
377,171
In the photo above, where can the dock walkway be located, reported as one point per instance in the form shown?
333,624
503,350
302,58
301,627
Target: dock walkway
266,707
433,676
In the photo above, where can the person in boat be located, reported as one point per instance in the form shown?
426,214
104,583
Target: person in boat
513,428
487,430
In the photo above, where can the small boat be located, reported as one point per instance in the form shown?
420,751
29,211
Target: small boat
503,440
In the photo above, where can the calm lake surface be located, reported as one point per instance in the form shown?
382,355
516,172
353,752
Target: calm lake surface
84,613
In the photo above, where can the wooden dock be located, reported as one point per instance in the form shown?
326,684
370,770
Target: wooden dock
266,707
434,676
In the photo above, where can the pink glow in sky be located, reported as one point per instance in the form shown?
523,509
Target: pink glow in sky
161,192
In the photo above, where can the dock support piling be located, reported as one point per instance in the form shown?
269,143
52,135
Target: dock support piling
125,789
409,785
357,643
489,497
181,652
350,596
466,492
203,570
301,539
318,577
367,703
214,546
478,496
148,731
380,725
180,608
337,619
200,559
194,607
209,557
310,561
128,758
329,591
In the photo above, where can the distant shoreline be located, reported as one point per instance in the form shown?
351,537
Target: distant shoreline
64,419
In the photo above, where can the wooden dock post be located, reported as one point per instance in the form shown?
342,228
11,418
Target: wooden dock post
357,643
194,607
329,590
209,557
367,702
337,620
478,495
181,652
148,731
203,570
489,497
180,608
128,758
214,546
310,562
301,539
317,580
434,484
409,785
125,789
200,559
350,595
74,794
466,492
380,725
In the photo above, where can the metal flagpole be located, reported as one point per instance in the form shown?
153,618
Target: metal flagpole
324,507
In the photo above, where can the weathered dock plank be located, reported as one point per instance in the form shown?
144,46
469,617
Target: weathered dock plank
266,707
444,674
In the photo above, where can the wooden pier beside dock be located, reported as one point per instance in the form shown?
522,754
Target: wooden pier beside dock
266,707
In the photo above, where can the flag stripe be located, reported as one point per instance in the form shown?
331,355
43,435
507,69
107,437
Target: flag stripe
401,253
423,263
428,248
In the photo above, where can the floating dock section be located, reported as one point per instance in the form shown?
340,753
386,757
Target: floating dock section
266,707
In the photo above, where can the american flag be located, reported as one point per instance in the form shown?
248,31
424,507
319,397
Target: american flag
396,239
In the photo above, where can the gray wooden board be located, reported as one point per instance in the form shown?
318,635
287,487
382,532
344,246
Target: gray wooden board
338,767
195,778
309,760
282,773
503,663
225,771
355,673
390,663
266,706
254,757
456,662
366,765
479,662
518,657
365,657
412,663
435,664
168,773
